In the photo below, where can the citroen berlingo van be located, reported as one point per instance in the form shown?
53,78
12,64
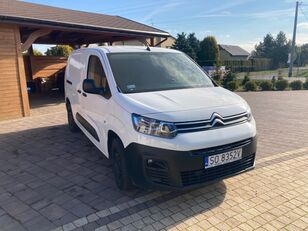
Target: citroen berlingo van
158,116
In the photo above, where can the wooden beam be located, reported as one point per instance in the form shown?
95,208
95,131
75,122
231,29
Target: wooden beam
32,37
21,74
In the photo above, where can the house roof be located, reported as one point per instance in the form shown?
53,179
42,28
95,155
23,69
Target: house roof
24,13
234,50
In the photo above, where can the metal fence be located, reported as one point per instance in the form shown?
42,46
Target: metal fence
248,65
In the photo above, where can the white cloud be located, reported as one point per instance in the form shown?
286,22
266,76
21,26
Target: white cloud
302,37
272,13
248,46
224,7
255,15
161,9
303,25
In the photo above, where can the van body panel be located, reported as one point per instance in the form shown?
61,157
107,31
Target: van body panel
96,115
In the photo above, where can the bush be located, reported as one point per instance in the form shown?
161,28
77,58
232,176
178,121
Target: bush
306,84
258,82
229,77
266,85
281,84
251,86
59,50
232,85
245,80
280,77
296,85
274,80
217,76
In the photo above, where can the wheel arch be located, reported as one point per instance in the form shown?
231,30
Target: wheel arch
110,137
67,102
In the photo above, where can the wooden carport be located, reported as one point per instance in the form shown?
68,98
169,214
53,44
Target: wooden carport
22,24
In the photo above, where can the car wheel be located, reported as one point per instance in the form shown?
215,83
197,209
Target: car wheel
119,165
70,118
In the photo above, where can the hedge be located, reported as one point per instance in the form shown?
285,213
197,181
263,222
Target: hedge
281,84
251,86
266,85
296,85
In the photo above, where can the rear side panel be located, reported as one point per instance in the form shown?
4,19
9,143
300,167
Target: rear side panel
73,79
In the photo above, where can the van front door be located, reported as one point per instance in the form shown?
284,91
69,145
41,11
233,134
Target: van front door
95,106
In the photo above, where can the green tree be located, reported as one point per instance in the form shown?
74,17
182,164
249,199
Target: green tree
276,49
302,56
59,50
208,54
182,44
229,77
281,50
265,49
37,52
194,43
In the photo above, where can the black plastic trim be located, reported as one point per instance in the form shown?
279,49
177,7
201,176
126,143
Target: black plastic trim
87,126
178,162
69,82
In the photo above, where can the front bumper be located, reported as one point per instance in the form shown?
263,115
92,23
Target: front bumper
157,168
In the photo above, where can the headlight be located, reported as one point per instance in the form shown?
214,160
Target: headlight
249,115
153,127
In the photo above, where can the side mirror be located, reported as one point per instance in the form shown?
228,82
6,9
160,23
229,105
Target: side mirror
88,86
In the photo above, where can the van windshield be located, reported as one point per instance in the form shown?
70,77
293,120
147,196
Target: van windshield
154,71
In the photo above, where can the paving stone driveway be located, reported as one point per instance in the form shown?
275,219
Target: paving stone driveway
53,179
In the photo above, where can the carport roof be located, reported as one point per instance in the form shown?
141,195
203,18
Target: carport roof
24,13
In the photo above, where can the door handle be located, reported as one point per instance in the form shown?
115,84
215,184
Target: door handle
79,91
84,94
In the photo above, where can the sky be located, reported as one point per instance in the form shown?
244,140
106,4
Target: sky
233,22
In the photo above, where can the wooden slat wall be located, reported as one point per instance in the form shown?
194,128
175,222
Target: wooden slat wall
14,99
46,66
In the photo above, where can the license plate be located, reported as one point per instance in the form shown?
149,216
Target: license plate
222,158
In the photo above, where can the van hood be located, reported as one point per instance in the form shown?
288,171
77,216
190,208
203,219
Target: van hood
182,102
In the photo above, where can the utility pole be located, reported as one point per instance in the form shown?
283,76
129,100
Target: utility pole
293,41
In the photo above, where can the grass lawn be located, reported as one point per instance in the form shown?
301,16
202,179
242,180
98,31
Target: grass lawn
302,72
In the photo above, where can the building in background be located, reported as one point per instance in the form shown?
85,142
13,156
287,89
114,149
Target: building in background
232,53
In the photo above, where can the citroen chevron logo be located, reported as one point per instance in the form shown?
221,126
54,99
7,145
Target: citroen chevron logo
216,120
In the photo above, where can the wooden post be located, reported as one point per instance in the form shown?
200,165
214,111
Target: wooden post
21,73
152,42
30,50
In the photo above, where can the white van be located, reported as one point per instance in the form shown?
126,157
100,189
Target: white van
160,119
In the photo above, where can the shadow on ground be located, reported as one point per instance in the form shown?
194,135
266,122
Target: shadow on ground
50,177
39,100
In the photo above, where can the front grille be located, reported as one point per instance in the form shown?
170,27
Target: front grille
222,148
216,121
206,175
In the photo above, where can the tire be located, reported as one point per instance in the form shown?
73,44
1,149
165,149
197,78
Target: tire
70,118
119,165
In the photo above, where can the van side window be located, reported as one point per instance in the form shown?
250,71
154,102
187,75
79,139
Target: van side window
97,73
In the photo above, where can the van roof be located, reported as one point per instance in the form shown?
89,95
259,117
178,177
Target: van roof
127,49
